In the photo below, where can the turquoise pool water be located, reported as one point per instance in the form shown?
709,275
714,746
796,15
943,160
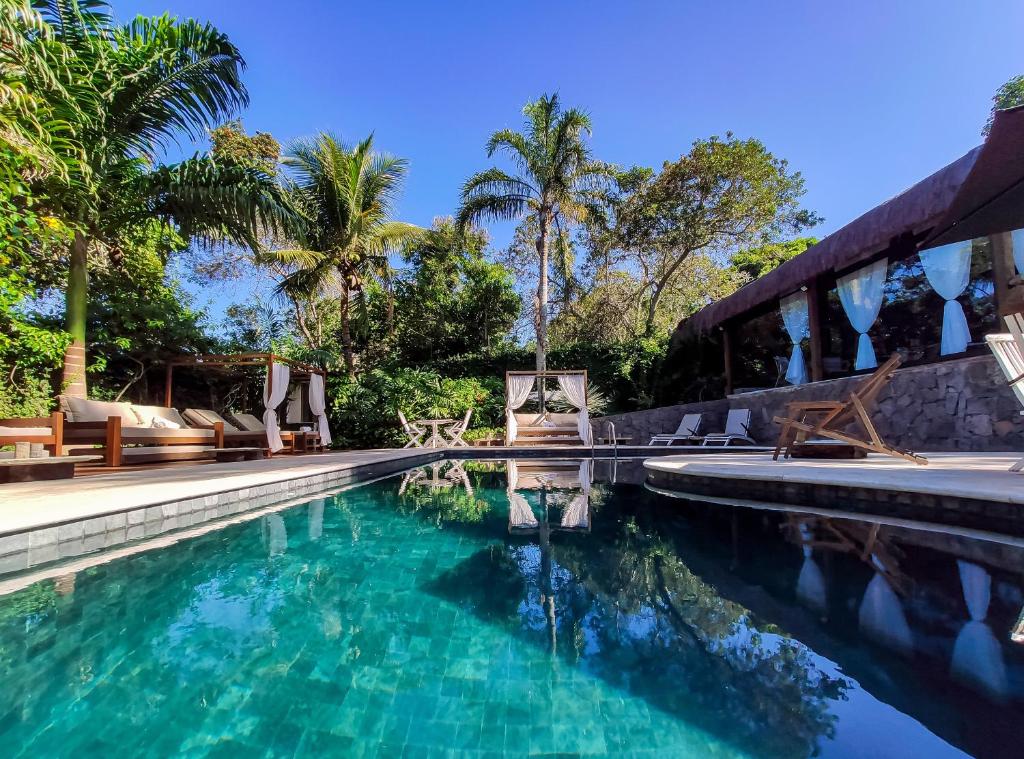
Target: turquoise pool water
438,615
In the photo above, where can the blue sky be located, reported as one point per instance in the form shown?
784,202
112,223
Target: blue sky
863,98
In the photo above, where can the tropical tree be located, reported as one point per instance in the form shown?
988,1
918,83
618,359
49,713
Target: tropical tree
1009,95
558,183
138,88
723,196
346,194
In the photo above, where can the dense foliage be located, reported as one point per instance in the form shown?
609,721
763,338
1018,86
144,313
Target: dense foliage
102,239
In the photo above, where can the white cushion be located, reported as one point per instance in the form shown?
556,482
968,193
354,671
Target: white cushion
249,422
83,410
25,431
147,414
159,423
206,416
139,434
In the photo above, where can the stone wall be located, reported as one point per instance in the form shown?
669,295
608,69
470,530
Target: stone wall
959,405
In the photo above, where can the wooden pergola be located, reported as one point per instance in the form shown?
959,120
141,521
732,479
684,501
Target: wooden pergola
265,360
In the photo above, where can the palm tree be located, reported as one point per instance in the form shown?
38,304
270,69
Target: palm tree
138,88
346,194
558,182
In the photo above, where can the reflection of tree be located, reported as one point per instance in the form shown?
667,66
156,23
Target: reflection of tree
631,612
442,497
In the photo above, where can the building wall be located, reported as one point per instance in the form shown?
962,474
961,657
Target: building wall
959,405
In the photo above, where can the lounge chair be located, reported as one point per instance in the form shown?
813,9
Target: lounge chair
1010,356
414,433
688,430
457,430
737,429
128,433
831,420
233,436
48,430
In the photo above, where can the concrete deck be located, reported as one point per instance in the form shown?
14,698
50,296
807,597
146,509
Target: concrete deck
983,476
972,490
31,505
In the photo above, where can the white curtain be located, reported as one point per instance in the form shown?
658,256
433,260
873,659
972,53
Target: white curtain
577,514
977,655
279,374
318,405
1017,242
277,536
798,324
881,616
293,414
810,585
316,519
948,269
574,388
861,293
519,512
519,386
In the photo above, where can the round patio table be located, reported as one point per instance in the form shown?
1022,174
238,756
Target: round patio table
436,439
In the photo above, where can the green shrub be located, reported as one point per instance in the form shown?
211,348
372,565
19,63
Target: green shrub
364,412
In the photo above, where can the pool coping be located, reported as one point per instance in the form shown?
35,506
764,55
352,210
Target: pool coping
41,539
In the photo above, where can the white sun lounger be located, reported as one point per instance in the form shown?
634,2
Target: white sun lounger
737,428
689,429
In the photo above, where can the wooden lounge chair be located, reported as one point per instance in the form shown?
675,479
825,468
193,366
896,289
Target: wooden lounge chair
1010,356
832,419
687,431
48,430
737,429
234,437
126,432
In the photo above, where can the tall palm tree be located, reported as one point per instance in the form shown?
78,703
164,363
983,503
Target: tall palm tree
346,194
138,89
558,181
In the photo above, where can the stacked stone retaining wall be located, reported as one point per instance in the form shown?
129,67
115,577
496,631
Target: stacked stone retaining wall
959,405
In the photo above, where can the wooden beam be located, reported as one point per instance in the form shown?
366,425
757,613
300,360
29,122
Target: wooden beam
1009,287
817,328
727,356
167,385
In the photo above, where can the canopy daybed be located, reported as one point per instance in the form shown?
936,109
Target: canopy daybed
545,427
280,372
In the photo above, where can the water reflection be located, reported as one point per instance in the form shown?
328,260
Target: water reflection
976,659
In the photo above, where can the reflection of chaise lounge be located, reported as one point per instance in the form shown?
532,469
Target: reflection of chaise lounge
556,478
127,433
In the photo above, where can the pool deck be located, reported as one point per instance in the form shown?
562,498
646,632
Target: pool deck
31,505
971,489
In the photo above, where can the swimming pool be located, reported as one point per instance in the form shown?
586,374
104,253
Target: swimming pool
482,608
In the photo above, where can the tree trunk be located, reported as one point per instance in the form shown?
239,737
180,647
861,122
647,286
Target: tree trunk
75,301
346,335
542,293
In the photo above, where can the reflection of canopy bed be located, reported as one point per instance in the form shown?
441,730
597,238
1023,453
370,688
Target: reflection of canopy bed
544,427
548,478
280,372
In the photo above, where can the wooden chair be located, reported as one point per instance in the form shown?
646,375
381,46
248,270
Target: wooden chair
457,430
414,433
1010,357
830,419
